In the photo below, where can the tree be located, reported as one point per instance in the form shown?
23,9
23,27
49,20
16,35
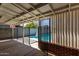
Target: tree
31,25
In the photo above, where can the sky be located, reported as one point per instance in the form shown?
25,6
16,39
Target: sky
44,22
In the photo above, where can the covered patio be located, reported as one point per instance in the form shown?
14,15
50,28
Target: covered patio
63,29
15,48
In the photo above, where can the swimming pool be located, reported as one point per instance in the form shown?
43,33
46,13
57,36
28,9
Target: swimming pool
43,37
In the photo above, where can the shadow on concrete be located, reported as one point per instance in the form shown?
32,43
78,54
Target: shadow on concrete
15,48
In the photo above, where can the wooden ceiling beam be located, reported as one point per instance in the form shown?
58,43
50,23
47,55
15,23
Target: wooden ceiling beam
36,9
25,9
46,14
51,7
9,9
40,16
37,6
7,12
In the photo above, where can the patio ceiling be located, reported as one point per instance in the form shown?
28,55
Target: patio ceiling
16,13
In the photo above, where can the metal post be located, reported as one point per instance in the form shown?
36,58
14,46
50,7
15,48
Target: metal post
29,37
12,33
12,30
23,32
51,29
17,32
69,23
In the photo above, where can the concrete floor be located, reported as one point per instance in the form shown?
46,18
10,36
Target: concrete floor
26,40
17,48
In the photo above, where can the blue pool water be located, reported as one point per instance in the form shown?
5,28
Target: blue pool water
43,37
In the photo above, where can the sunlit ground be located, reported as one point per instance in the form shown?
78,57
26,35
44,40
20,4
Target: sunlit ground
33,42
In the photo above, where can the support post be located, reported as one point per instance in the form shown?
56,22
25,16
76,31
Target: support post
69,21
29,37
23,33
12,33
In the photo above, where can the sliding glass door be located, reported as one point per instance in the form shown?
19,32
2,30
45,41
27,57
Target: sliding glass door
44,33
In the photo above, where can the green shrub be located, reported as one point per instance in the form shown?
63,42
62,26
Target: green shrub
31,25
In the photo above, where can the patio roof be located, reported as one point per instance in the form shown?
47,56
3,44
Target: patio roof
16,13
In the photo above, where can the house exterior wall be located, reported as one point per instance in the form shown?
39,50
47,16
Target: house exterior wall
65,29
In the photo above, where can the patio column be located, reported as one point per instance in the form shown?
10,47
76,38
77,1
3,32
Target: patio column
69,21
12,33
29,37
12,26
51,28
23,32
